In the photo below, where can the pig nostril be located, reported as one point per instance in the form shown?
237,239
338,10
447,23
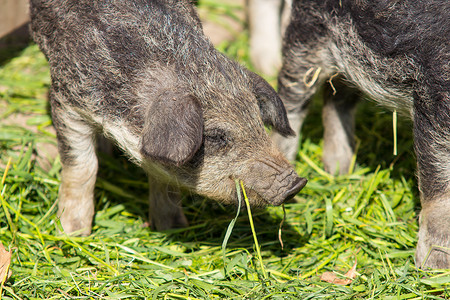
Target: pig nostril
296,187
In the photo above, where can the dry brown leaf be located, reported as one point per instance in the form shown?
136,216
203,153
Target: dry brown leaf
332,277
5,261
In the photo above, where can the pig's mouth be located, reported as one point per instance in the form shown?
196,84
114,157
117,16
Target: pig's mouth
239,188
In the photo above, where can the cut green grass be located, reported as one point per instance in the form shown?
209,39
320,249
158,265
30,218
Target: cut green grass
370,215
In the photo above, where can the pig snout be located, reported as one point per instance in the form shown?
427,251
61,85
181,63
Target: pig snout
275,183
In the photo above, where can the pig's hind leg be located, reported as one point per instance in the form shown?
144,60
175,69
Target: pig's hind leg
339,126
76,144
165,206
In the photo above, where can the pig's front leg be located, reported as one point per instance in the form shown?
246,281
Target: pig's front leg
296,95
432,146
165,206
76,146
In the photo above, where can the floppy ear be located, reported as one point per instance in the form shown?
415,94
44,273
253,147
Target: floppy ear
174,129
272,109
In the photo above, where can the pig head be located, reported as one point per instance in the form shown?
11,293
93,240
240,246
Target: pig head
206,142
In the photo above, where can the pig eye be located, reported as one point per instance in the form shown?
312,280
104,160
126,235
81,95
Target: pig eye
217,137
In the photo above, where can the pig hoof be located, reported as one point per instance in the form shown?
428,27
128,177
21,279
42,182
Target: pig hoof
177,220
433,246
74,220
73,226
433,252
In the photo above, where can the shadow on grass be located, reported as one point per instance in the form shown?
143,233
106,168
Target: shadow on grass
208,219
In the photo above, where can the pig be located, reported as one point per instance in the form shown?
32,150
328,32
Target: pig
143,74
396,53
267,20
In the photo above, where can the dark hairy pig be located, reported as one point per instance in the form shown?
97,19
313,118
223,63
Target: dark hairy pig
143,74
396,53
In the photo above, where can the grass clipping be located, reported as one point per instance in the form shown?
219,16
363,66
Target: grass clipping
241,191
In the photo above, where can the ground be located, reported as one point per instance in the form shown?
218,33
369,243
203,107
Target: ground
367,219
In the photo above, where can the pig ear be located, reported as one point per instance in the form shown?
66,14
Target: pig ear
272,109
174,129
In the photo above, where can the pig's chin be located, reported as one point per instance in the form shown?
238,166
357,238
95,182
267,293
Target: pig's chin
226,193
257,200
254,197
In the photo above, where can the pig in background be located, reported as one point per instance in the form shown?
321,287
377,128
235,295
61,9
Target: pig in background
143,74
398,54
268,20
